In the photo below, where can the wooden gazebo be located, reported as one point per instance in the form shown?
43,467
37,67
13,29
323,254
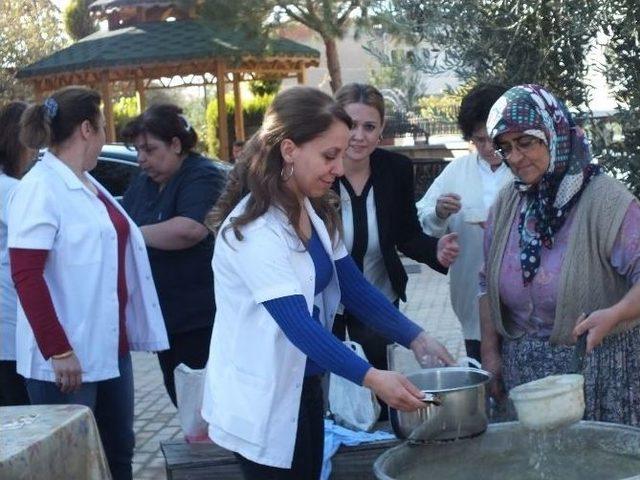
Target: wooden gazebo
151,43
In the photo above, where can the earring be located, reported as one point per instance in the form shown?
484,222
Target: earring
284,175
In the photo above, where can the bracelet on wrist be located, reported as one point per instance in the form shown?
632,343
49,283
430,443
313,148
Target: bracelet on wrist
60,356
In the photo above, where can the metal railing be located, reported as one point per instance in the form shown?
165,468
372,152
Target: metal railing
396,127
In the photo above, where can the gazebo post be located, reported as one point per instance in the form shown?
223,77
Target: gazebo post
108,108
237,111
302,76
223,134
140,97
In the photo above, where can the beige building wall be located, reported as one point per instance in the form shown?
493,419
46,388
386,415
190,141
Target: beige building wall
355,61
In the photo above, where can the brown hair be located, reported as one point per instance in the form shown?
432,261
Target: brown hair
164,121
361,93
54,121
11,150
299,114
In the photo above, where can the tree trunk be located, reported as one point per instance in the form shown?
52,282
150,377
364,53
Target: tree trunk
333,63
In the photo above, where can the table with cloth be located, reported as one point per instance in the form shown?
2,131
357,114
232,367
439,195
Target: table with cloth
52,442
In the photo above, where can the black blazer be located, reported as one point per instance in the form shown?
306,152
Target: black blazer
398,226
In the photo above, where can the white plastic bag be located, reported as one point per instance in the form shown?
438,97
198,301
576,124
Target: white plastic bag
353,406
189,392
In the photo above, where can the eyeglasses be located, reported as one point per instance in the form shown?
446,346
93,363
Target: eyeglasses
524,144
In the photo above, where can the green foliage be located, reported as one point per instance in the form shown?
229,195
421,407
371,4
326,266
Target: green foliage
253,110
29,31
249,16
534,41
439,108
510,41
401,85
124,110
211,115
622,156
331,19
265,86
194,109
77,21
444,107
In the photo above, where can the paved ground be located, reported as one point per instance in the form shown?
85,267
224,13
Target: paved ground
155,416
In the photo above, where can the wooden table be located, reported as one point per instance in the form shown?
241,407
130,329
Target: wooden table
199,461
52,442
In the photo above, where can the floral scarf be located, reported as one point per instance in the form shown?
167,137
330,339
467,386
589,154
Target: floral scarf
533,110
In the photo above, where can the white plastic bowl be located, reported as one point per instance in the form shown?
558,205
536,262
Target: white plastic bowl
550,402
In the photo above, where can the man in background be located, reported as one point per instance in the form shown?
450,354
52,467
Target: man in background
459,200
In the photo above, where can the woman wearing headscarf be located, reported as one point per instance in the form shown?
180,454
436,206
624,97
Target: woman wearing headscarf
562,241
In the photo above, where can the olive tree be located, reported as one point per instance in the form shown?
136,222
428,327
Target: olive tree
29,30
510,41
623,74
330,19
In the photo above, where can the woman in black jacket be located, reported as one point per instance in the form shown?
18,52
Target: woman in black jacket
379,214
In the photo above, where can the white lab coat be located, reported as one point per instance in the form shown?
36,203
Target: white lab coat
254,375
8,300
478,187
51,209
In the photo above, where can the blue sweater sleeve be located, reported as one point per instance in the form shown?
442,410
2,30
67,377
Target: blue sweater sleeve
370,306
292,316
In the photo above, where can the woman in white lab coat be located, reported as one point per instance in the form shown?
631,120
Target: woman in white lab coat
82,275
281,271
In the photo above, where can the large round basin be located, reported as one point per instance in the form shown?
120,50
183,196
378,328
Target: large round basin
584,451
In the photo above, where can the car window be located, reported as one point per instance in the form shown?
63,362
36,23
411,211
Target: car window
115,175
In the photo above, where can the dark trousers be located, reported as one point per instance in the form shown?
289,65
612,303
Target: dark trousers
473,349
12,386
309,447
112,404
373,344
190,348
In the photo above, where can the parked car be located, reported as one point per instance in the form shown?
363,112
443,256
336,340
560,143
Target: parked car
117,167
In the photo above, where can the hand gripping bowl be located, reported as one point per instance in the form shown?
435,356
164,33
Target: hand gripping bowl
549,402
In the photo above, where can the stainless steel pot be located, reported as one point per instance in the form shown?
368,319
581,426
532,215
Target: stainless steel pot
455,398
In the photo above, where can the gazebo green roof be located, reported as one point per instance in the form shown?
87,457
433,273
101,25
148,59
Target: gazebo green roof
162,42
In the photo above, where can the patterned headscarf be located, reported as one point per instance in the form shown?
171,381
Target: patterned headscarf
532,110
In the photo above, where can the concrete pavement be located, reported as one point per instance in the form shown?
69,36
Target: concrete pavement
156,418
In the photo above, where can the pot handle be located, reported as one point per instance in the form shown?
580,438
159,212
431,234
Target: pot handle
432,398
465,360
